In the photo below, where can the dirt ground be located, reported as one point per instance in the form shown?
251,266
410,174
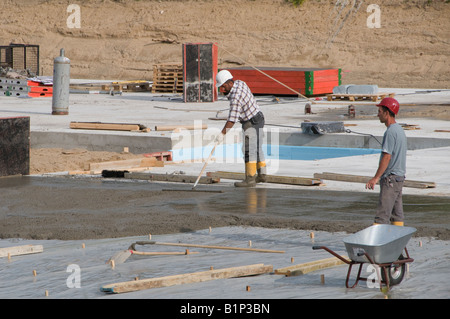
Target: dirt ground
123,39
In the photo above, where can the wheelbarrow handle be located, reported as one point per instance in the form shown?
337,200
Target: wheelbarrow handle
331,252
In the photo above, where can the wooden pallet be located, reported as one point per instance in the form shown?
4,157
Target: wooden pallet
167,78
359,97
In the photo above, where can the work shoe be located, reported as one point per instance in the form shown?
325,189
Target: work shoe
249,181
261,178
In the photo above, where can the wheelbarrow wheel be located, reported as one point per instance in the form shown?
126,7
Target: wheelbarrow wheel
395,273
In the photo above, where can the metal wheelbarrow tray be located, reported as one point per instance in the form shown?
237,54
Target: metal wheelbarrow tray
380,245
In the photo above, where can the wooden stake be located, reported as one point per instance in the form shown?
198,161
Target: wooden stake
113,264
248,288
34,273
322,279
83,245
46,293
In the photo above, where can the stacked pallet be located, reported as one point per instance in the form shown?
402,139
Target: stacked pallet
20,88
167,78
306,81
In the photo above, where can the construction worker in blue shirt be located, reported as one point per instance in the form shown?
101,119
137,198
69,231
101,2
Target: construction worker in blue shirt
392,166
243,108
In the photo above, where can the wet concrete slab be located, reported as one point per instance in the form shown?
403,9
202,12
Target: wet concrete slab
67,208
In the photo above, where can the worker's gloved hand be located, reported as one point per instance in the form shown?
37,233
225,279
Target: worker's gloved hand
219,138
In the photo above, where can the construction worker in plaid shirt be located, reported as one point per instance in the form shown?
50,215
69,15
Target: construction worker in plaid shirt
243,108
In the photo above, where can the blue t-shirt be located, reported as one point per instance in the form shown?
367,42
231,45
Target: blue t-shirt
394,143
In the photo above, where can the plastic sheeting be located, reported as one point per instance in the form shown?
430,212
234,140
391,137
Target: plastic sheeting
67,270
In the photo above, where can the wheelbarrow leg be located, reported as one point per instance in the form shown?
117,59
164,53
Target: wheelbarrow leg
358,276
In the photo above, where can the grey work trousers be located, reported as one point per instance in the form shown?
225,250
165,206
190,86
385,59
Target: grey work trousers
253,138
390,202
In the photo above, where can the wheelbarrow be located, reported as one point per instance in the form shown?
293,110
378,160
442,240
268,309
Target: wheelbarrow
382,246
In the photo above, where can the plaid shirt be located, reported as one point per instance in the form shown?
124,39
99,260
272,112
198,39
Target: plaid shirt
242,103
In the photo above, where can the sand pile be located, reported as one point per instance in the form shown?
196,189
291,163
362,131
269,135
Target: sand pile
124,39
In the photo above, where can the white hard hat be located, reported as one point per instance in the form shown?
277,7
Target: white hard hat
222,77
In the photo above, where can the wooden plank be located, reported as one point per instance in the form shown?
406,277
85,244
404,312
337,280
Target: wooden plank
291,180
108,126
172,178
304,268
124,164
365,179
442,131
188,278
21,250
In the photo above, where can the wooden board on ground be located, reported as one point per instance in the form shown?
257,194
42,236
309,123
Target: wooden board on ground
291,180
172,178
356,97
302,269
126,164
365,179
109,126
167,281
21,250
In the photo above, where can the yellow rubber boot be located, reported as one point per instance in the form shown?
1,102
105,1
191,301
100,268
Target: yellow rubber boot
261,168
397,223
250,176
